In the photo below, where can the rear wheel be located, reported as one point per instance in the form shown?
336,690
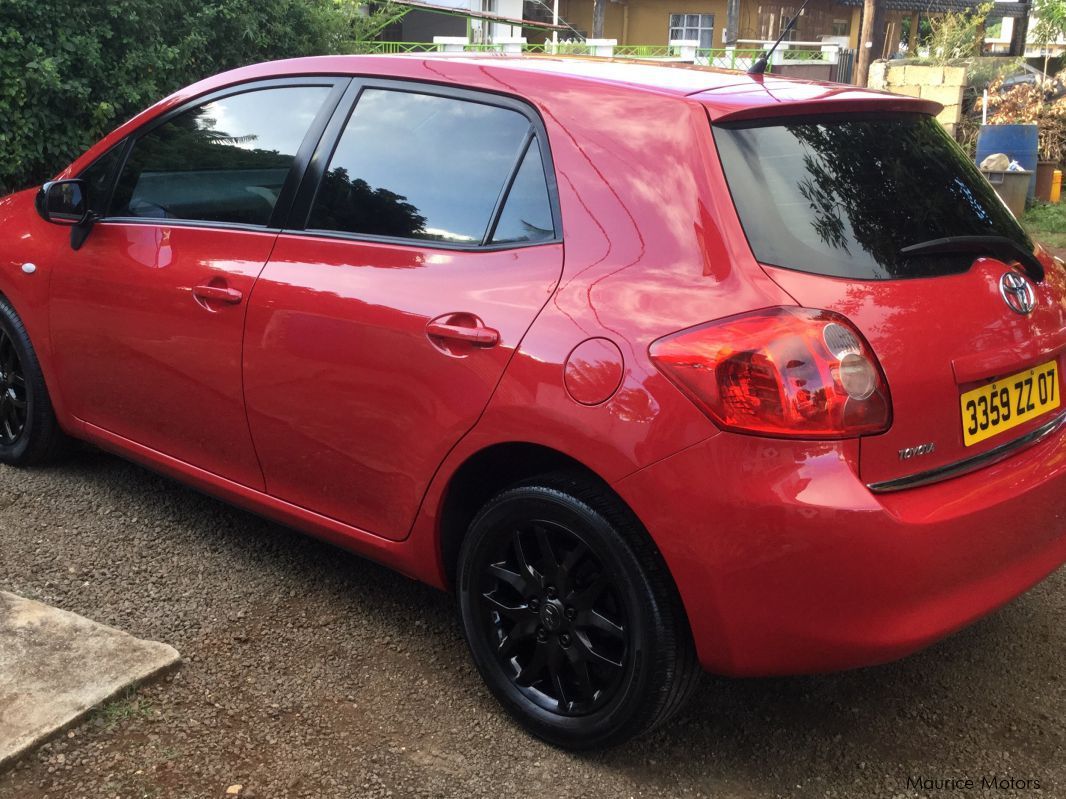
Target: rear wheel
570,615
29,433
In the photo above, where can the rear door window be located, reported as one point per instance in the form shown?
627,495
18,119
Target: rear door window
843,195
225,161
421,166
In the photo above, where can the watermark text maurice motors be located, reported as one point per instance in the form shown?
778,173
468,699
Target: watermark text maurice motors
984,783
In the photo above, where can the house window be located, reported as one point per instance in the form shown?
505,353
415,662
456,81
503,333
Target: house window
692,27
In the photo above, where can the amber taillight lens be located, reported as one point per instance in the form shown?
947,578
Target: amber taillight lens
791,372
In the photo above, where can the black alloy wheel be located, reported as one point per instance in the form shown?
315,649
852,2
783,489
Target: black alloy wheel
14,403
29,433
570,614
555,616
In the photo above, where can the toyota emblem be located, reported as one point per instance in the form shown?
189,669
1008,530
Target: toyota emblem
1017,292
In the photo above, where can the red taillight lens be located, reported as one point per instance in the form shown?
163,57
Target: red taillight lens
780,372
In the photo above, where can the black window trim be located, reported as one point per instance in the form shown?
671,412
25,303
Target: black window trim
337,85
505,190
123,145
315,172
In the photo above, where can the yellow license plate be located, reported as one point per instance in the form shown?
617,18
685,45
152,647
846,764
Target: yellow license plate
1009,402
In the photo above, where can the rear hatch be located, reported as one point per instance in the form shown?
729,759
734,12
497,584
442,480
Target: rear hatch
829,203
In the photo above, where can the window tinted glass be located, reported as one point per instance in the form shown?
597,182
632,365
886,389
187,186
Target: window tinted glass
417,166
527,214
225,161
99,177
843,196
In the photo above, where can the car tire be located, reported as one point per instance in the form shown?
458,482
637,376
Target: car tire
571,616
29,433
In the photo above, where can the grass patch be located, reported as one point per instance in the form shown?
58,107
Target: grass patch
127,707
1047,224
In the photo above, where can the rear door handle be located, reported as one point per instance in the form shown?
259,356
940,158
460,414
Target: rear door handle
217,294
477,336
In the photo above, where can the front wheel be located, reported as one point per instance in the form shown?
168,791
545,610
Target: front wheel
570,615
29,433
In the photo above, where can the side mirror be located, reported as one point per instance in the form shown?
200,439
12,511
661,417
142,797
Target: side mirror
64,202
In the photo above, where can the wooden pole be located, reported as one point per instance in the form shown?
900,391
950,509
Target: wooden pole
732,15
599,10
866,42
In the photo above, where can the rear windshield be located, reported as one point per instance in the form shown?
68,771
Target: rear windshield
842,195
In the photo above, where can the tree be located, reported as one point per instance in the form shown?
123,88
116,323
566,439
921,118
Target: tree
70,70
1050,25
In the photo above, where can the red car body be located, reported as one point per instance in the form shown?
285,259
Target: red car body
320,401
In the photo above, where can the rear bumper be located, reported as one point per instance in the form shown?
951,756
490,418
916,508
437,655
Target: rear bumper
787,563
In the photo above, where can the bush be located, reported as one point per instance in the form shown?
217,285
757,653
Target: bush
958,35
71,70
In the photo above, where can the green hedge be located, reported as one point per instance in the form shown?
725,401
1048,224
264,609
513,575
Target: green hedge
71,70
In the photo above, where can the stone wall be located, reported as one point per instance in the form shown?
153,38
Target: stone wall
943,85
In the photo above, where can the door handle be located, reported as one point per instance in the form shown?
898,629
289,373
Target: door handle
477,336
217,294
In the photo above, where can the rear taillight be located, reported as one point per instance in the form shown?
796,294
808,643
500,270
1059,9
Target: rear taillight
780,372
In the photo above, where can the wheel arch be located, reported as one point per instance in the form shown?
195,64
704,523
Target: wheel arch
31,309
484,474
495,467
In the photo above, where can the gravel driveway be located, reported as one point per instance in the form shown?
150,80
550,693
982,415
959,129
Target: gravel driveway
311,673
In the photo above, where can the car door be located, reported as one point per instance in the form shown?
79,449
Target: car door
148,315
427,241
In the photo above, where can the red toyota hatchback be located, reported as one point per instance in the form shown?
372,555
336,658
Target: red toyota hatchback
660,368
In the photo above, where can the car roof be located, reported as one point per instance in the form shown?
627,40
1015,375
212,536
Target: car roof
725,93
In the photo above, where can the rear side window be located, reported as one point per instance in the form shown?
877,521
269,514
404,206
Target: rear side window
527,214
842,196
225,161
418,166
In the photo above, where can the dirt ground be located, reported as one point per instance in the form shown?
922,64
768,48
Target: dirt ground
311,673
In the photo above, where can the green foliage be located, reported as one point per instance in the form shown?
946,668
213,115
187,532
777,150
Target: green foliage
70,70
1050,21
125,708
958,35
365,26
1047,224
983,72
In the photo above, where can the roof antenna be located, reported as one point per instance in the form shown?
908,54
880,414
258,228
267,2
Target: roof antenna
759,66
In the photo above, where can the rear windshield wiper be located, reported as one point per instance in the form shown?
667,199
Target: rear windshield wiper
999,246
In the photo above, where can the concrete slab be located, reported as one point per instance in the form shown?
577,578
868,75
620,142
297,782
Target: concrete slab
56,666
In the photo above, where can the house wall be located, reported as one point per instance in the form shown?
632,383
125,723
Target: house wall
648,21
805,71
507,8
641,21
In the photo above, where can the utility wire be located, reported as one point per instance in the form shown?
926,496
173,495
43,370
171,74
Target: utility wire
563,21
